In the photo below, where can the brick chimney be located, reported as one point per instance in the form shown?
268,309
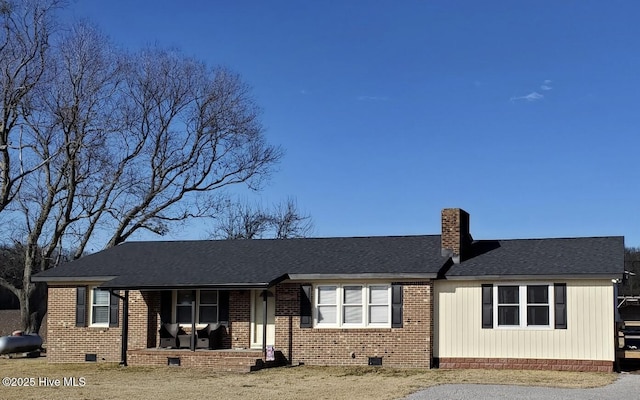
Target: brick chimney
456,238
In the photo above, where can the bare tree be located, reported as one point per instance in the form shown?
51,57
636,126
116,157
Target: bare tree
120,143
241,220
25,27
288,222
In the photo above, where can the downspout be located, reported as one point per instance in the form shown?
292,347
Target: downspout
125,326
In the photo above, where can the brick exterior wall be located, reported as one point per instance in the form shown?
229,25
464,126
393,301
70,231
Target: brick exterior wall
407,347
240,361
526,364
69,343
239,330
410,346
152,299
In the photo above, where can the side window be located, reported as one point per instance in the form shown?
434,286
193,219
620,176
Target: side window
524,306
508,305
538,305
100,307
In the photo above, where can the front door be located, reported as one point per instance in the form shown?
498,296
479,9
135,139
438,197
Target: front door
257,314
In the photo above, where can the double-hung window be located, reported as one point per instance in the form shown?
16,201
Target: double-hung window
523,306
538,305
96,307
206,303
100,302
508,305
327,304
378,304
184,304
352,306
208,307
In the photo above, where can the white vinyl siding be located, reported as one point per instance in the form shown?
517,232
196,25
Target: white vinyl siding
589,335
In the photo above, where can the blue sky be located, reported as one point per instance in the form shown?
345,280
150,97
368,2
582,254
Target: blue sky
526,114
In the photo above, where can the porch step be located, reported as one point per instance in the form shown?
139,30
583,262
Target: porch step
223,360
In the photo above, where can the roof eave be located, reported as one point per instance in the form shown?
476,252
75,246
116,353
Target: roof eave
221,286
71,279
392,276
531,277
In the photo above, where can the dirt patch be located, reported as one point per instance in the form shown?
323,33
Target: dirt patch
108,381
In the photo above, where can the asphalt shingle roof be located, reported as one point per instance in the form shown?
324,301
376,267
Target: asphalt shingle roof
262,262
223,262
544,257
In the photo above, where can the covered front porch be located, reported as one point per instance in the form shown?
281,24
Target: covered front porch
244,338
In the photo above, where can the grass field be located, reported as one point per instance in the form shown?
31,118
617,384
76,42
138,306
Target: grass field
107,381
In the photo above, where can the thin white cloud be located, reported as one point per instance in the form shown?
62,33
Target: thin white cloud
372,98
533,96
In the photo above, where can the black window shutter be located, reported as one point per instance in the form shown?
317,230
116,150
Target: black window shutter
165,306
560,299
81,306
306,320
114,302
396,306
487,306
223,306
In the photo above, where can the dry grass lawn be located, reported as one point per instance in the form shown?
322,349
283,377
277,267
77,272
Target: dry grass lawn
108,381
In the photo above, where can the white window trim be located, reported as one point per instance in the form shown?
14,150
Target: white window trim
366,303
91,305
174,300
522,304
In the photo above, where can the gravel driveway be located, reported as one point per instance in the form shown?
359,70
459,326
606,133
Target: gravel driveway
627,387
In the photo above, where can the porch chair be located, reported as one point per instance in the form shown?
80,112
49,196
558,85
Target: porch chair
208,336
169,335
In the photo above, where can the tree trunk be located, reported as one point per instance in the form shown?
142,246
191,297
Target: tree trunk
33,307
